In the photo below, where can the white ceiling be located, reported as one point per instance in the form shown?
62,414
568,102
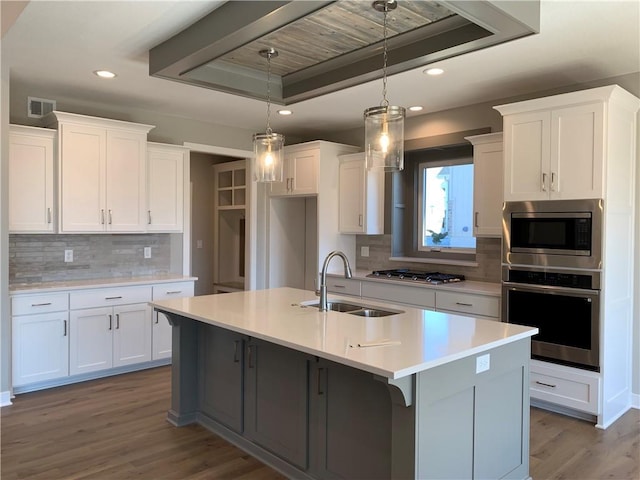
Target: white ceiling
55,47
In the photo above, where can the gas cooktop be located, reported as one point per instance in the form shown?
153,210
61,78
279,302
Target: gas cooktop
405,274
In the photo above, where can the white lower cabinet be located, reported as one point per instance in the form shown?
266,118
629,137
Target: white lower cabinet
40,347
161,330
109,337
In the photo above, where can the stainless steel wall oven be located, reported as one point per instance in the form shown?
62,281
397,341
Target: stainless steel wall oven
564,305
551,271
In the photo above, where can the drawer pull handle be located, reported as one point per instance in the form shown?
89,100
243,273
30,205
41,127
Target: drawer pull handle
110,322
40,304
464,304
110,217
319,389
250,356
65,329
475,222
339,286
149,216
545,384
102,216
360,220
173,292
113,298
49,215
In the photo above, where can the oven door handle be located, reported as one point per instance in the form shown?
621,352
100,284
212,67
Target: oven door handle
551,289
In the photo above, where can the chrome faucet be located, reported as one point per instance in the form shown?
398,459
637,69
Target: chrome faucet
322,305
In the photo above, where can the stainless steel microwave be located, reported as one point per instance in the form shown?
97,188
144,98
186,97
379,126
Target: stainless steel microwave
556,233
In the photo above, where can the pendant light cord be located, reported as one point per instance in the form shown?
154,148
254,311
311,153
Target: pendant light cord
385,102
269,131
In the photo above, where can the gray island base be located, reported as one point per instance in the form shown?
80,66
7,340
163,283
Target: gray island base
316,418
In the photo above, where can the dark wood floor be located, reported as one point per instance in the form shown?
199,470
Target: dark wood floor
115,428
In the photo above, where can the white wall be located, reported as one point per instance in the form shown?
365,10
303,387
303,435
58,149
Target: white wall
5,322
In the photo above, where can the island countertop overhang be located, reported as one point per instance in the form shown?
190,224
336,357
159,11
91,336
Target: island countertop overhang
420,339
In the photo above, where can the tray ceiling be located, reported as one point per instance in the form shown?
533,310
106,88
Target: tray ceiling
325,46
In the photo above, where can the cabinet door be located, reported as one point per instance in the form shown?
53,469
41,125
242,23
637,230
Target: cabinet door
221,375
131,334
160,337
82,180
577,152
352,197
165,189
350,424
276,400
126,181
31,183
527,142
303,169
487,190
90,337
40,347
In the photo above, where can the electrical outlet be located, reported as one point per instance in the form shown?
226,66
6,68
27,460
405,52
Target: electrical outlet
68,256
147,252
364,251
483,363
198,243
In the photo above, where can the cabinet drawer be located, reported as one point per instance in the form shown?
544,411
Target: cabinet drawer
106,297
30,304
172,290
417,296
484,305
344,286
574,390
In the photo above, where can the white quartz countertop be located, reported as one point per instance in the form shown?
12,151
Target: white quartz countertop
467,286
416,339
47,287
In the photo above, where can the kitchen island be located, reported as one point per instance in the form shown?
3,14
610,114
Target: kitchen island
415,394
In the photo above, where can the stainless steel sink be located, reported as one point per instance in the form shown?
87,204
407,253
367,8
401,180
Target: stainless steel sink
354,309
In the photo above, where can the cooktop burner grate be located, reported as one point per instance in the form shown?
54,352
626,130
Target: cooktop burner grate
417,276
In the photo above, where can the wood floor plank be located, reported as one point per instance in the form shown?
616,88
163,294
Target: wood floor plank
115,429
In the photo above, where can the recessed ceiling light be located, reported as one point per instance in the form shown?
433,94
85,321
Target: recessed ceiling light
104,74
285,112
415,108
433,71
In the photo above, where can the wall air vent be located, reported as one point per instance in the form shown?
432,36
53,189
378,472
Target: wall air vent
39,107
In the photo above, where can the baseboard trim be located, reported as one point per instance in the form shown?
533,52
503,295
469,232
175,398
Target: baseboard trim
5,399
635,400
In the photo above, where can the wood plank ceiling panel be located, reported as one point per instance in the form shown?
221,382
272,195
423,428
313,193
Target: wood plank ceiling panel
342,27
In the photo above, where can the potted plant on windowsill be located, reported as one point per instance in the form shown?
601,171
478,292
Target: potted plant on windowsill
436,238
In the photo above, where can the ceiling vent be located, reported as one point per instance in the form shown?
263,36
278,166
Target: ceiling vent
39,107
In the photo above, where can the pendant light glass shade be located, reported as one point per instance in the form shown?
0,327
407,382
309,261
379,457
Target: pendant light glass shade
384,138
269,157
268,147
384,124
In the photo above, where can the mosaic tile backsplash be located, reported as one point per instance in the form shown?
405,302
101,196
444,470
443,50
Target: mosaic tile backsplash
40,258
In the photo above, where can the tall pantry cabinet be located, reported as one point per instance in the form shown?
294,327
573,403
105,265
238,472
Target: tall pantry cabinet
301,225
102,174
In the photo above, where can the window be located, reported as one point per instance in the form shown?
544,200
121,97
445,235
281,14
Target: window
431,214
445,206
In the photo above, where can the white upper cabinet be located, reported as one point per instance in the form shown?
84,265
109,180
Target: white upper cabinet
165,187
31,179
361,197
300,172
556,147
487,184
102,175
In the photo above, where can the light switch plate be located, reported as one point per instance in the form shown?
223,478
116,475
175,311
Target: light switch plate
147,252
68,256
364,251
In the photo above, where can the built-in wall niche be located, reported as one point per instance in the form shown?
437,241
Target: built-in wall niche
229,226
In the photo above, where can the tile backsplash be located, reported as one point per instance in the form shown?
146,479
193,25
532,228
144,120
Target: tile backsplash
488,257
40,258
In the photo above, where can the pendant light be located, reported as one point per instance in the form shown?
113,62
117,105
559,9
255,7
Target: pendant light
268,147
384,124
